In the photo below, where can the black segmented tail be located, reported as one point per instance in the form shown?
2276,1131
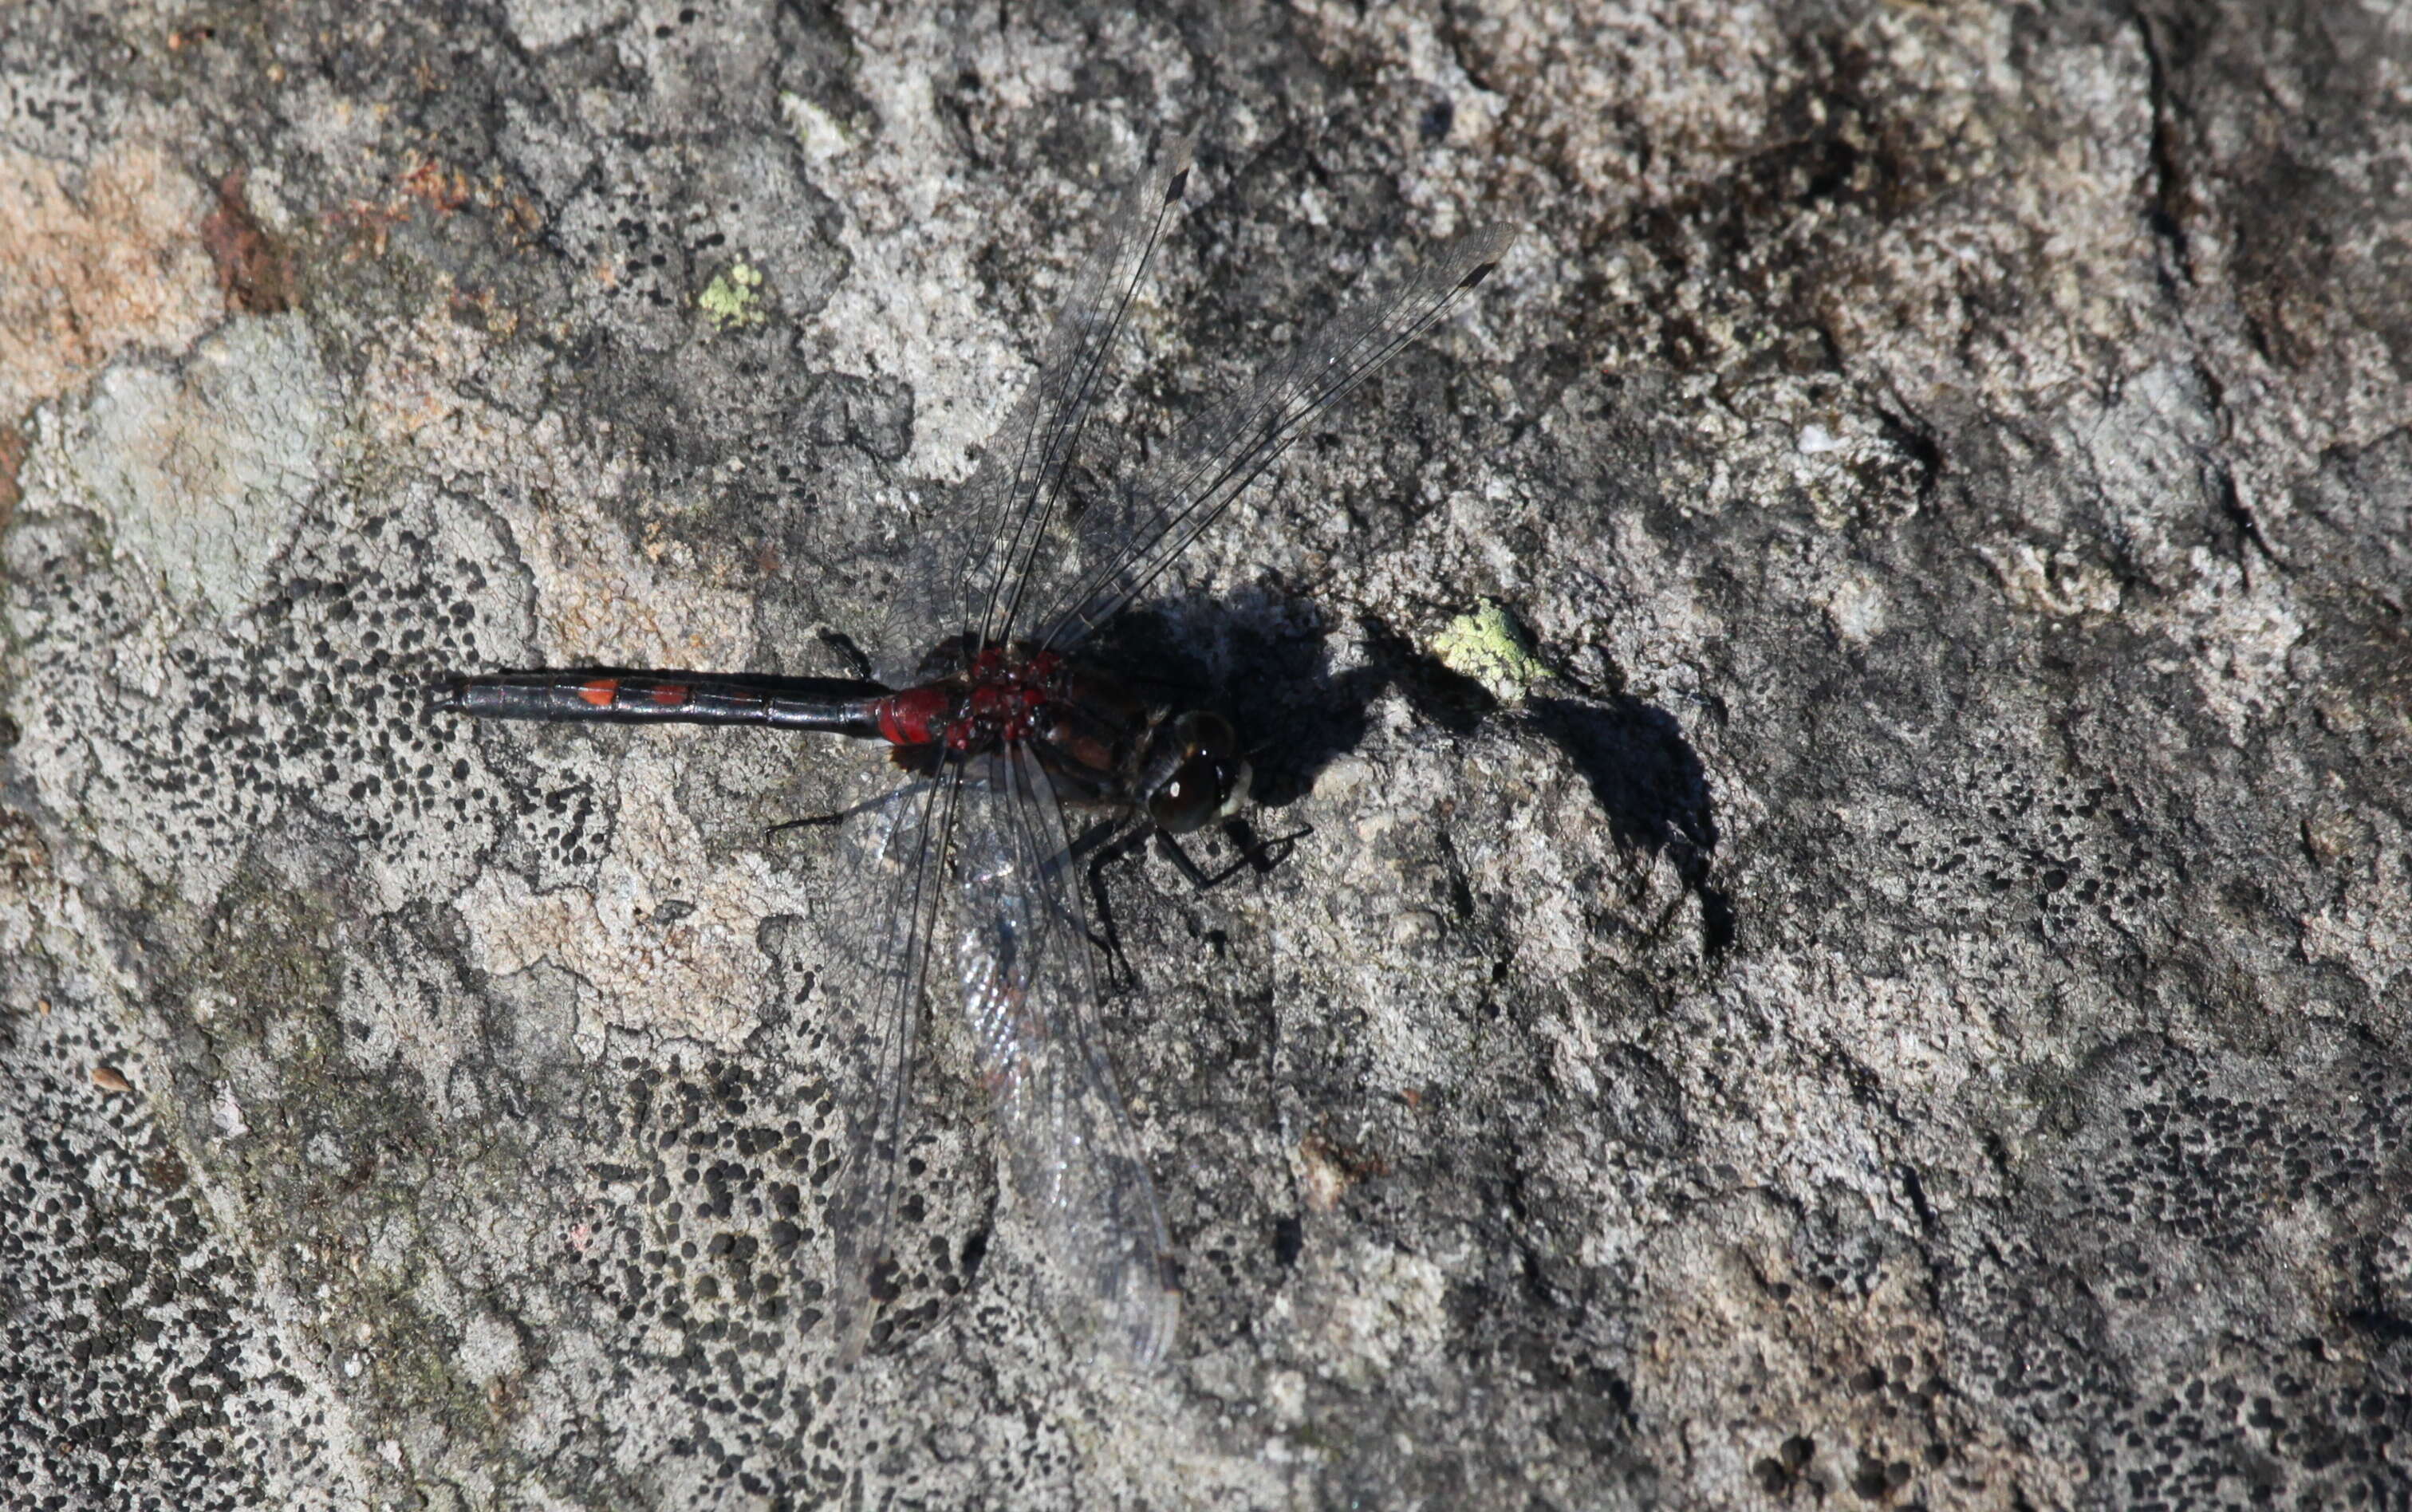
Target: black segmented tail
834,706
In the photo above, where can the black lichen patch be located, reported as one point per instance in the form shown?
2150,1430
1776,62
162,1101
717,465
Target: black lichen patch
2177,1201
715,1235
141,1371
2222,1161
318,700
2070,856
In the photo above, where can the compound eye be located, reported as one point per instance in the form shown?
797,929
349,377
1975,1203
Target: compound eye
1197,773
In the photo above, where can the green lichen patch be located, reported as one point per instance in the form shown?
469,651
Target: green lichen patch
1492,647
733,300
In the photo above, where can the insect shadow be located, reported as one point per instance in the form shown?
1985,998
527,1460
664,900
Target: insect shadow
1649,783
1643,774
1298,717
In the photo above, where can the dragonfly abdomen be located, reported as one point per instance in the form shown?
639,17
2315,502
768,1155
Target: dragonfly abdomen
828,705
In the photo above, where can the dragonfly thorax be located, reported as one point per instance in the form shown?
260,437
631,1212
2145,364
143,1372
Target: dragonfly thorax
1004,695
1101,742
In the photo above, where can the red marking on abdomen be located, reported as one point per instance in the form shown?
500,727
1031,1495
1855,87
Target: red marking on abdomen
668,694
910,717
600,692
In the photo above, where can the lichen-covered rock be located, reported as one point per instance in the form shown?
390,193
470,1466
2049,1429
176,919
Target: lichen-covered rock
1904,997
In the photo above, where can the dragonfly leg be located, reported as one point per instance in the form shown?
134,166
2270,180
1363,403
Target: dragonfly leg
1263,855
1106,937
807,821
1257,855
867,806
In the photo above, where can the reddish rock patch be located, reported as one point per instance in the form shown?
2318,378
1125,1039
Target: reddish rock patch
256,273
12,456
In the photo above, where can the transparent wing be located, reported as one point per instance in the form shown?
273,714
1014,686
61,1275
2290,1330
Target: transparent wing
887,910
1214,458
1030,998
1013,507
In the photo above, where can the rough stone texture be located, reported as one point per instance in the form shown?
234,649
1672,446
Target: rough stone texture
1912,1012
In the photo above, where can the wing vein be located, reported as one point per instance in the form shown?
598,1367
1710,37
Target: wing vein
1053,414
1214,458
865,1218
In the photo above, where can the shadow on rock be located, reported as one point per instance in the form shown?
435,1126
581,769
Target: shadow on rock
1645,776
1275,684
1649,783
1326,714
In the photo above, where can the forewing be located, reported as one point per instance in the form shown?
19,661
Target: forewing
1013,507
1030,998
886,911
1214,458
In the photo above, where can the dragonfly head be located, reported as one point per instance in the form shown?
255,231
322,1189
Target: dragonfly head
1193,772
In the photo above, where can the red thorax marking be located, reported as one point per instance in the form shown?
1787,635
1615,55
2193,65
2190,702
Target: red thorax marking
1006,702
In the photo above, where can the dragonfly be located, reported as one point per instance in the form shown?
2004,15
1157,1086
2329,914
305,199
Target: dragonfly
962,885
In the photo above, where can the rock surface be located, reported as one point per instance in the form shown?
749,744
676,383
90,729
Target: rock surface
1909,1009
